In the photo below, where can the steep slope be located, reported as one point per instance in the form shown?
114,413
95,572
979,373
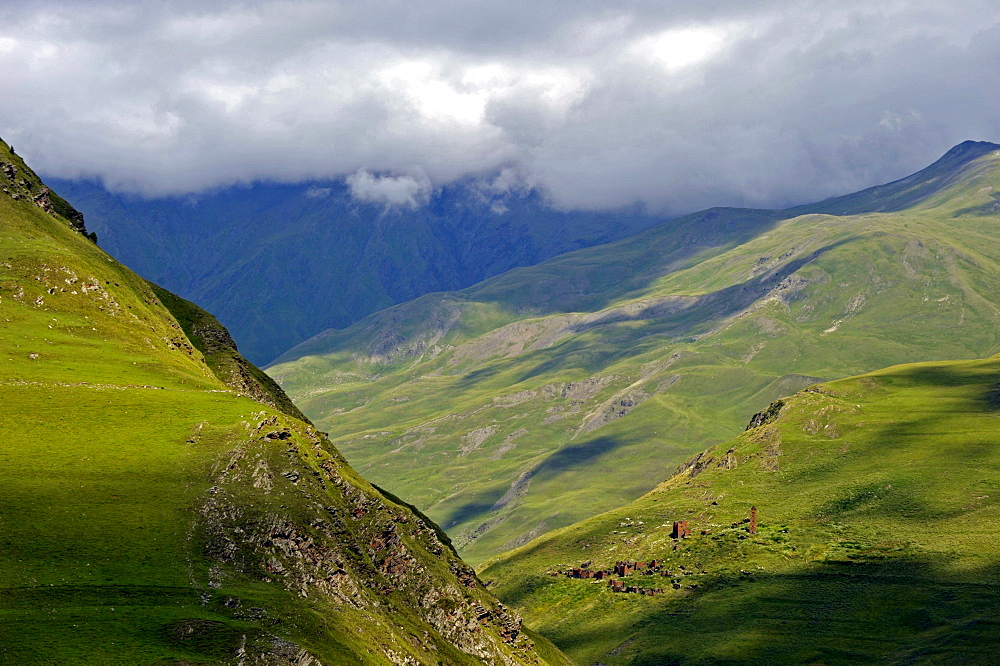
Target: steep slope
163,502
280,263
877,509
552,392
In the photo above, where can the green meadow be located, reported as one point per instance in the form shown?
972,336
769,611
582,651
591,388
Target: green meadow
878,498
109,421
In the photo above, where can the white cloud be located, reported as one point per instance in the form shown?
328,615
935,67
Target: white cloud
389,190
315,192
678,48
897,122
432,95
679,105
508,180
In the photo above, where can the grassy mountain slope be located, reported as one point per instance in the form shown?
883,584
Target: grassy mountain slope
280,263
878,502
163,502
552,392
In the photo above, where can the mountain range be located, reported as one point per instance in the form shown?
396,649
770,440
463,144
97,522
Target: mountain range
680,446
550,393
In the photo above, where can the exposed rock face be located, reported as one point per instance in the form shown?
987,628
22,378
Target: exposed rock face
75,218
337,540
21,184
767,416
474,439
618,406
44,201
236,371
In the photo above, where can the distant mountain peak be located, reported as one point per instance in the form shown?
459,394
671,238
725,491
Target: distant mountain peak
971,149
907,191
959,155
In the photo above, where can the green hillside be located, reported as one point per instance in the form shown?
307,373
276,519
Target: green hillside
163,502
550,393
878,501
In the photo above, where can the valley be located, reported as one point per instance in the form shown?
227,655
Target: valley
499,334
545,395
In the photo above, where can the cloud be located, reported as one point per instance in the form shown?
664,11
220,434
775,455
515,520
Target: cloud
390,190
677,105
316,192
676,49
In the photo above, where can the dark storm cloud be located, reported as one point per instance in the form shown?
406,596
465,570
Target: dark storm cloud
675,104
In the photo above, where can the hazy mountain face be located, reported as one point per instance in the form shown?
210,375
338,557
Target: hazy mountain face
280,263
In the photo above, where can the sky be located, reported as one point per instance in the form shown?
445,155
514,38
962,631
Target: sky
672,105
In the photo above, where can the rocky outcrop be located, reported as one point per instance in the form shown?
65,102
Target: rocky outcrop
21,184
616,407
322,533
766,416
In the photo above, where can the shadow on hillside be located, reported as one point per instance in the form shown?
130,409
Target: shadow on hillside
469,511
945,375
563,460
885,481
671,318
893,611
590,360
705,311
592,278
482,374
987,210
992,397
576,455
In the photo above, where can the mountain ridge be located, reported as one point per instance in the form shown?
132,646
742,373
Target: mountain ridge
925,182
898,194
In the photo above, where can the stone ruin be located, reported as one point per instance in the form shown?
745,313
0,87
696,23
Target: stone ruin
624,568
620,586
